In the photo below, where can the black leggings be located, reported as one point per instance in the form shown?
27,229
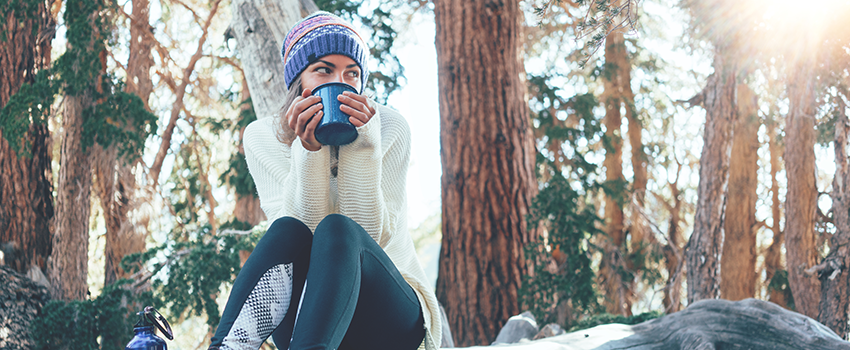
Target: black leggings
355,297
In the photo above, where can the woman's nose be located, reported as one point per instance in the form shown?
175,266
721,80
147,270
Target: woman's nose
338,77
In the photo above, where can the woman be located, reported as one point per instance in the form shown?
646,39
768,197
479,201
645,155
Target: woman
337,267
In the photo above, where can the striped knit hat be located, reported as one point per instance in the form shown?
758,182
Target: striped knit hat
319,35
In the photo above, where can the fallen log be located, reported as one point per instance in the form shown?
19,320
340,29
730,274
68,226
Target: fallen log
21,301
705,325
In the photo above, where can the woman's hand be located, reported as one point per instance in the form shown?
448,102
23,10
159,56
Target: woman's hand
356,106
303,116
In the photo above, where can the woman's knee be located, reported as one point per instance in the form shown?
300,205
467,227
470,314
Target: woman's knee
286,229
337,231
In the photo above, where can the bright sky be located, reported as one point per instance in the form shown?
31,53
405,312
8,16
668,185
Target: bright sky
418,102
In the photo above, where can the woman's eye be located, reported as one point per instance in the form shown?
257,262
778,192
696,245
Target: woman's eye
323,70
354,74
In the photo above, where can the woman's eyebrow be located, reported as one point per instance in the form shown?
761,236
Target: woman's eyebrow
334,66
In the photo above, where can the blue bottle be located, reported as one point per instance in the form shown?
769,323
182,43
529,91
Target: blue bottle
146,338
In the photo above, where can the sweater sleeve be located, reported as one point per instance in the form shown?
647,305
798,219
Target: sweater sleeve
291,180
363,176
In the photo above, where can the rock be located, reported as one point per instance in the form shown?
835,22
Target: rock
707,324
550,330
21,301
518,327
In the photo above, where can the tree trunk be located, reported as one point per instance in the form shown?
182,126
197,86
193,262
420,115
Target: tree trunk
68,269
835,279
773,255
703,252
488,156
801,199
258,26
116,188
672,299
614,271
116,182
641,236
25,182
68,264
739,245
247,206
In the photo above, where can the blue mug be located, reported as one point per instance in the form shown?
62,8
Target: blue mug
334,129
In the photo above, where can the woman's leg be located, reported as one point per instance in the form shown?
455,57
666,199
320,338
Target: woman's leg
272,276
355,297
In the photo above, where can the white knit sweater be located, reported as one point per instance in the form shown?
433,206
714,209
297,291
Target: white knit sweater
370,188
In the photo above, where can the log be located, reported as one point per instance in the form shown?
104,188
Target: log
705,325
21,300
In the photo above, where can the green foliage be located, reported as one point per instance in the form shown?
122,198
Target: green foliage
116,117
79,68
237,175
193,270
568,124
89,324
571,224
340,7
390,72
606,318
565,126
779,282
121,119
30,105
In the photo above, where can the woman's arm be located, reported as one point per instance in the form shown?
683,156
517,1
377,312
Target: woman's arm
291,181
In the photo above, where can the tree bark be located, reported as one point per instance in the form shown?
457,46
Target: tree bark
835,279
259,28
248,208
801,199
773,255
703,252
68,264
641,236
739,245
488,156
68,269
25,181
673,253
116,182
614,270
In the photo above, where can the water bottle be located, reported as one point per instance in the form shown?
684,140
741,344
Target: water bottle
146,338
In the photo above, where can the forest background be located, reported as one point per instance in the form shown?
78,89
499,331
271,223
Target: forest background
651,144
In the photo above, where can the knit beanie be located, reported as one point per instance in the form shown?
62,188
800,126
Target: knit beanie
319,35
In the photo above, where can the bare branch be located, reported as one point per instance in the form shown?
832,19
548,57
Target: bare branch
228,60
178,103
230,231
194,14
693,101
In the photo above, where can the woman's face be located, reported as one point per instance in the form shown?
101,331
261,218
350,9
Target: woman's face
330,69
